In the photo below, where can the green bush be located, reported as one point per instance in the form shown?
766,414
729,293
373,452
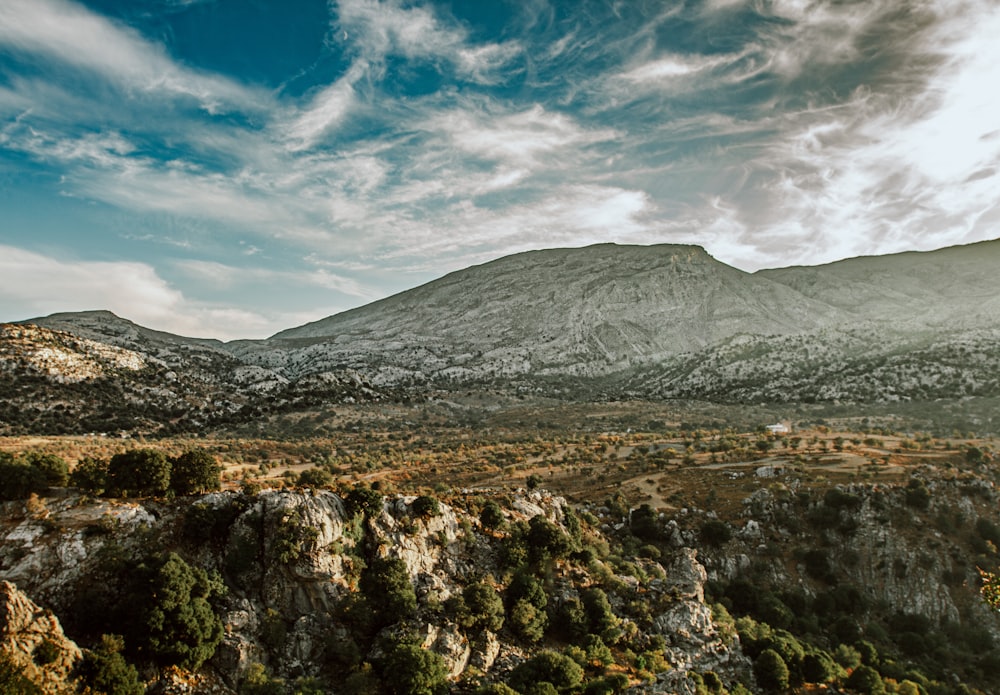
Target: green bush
714,532
194,472
545,540
168,612
547,667
54,470
386,586
484,608
363,500
90,474
601,619
866,680
425,507
19,480
104,670
771,671
491,516
409,669
138,473
314,477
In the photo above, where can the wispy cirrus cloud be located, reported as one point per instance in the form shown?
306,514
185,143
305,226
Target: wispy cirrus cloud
58,30
420,139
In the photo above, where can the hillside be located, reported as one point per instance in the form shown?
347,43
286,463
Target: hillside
601,322
583,312
852,556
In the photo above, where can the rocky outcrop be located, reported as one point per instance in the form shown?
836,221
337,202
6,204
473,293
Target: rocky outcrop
34,640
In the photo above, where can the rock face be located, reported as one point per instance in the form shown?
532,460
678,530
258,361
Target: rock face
34,639
294,563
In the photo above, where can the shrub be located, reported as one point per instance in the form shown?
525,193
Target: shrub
90,474
917,494
545,540
412,670
194,472
387,588
866,680
54,470
644,523
104,670
771,671
714,532
363,500
18,481
491,517
169,613
314,477
484,608
139,473
425,507
601,620
547,667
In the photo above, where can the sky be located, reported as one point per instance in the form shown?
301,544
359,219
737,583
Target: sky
231,168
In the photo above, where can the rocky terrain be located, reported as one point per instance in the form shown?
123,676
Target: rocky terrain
599,323
350,591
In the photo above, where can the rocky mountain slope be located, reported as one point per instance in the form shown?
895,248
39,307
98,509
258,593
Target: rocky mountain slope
670,321
608,321
105,374
357,592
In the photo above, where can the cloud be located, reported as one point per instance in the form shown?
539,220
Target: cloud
74,36
231,277
36,285
382,28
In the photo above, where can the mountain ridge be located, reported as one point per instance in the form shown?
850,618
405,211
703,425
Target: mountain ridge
606,321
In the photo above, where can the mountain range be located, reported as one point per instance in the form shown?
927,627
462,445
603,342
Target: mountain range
609,321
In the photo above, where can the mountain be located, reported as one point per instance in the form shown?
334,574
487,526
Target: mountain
582,312
97,372
605,321
956,287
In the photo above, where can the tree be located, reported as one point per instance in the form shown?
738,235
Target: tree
866,680
412,670
601,620
547,667
193,472
104,670
425,507
90,474
545,540
491,517
771,671
314,477
526,600
19,480
140,473
484,608
363,500
54,469
169,613
715,532
387,587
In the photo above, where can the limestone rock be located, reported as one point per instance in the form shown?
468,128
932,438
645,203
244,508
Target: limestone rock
34,639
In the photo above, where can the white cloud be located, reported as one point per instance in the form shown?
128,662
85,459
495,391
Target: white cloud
36,285
520,137
383,28
70,33
231,277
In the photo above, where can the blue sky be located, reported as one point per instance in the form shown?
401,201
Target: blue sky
229,168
